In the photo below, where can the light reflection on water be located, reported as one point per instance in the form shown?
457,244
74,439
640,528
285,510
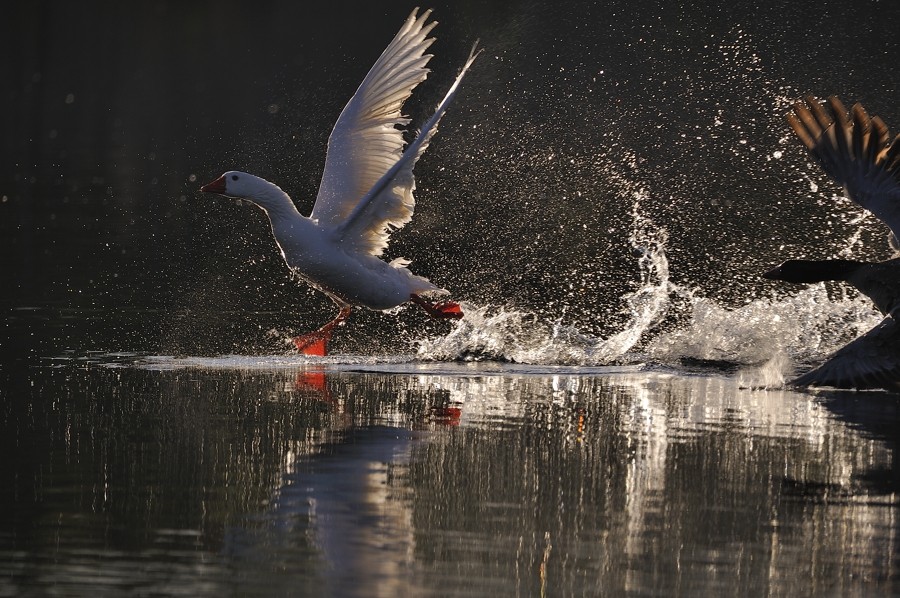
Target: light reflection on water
277,481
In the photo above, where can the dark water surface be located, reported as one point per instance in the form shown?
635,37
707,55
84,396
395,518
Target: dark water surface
263,476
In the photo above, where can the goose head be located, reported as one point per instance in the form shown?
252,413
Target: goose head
247,186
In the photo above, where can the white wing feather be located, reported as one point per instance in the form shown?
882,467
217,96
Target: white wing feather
369,225
366,141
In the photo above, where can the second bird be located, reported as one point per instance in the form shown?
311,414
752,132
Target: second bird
856,151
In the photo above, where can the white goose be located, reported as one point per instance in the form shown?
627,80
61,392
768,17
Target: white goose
366,192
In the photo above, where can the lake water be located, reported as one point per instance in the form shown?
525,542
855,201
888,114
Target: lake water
350,476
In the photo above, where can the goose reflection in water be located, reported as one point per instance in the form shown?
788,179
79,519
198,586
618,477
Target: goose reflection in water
346,498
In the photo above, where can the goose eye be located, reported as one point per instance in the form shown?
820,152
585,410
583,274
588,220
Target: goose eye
234,177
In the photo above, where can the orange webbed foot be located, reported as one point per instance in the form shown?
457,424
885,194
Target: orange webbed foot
445,310
316,343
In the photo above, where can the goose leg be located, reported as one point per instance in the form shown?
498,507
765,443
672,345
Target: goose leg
443,310
316,343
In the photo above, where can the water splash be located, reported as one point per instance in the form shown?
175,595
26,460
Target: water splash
772,374
501,334
767,336
504,334
647,306
808,326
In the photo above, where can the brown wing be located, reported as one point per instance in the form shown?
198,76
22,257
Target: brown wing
856,151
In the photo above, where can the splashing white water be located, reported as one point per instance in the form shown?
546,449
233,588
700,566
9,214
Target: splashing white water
672,324
767,336
650,303
808,325
512,335
507,335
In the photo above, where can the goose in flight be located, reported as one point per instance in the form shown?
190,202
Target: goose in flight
366,193
856,151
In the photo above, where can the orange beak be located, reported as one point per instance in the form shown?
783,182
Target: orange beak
217,186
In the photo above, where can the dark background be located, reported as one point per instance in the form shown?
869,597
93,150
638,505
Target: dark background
576,114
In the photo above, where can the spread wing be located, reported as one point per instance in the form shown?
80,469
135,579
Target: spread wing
366,140
856,152
369,225
870,361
